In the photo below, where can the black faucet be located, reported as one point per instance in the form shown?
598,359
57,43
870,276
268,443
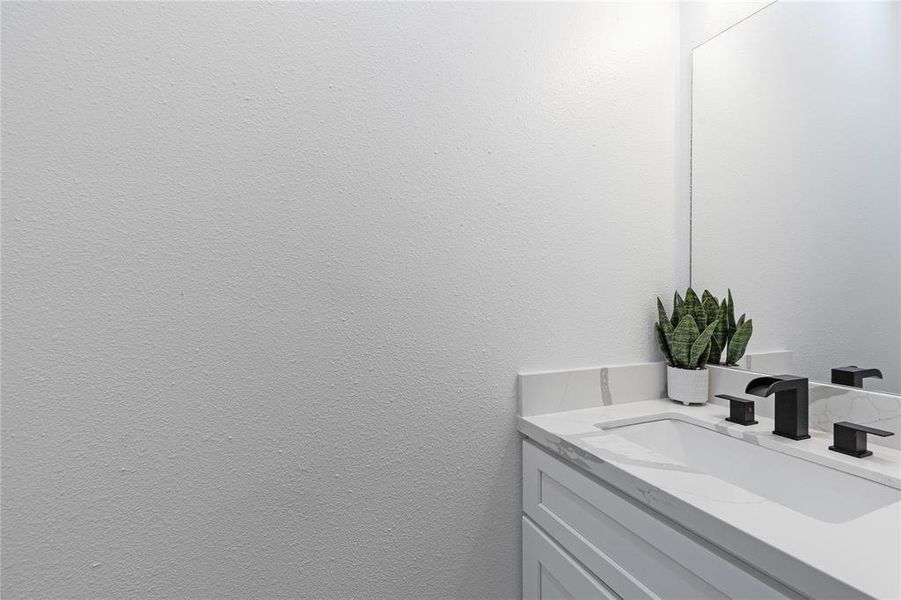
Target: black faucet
853,376
741,410
790,400
851,438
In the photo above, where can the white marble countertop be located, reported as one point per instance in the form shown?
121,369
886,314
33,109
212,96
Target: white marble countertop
837,558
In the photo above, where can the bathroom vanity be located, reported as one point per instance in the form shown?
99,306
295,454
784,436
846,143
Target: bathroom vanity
628,494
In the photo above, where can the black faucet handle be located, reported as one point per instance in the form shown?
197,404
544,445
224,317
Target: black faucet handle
741,410
853,375
851,438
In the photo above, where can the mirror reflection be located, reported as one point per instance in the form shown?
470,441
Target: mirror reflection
796,153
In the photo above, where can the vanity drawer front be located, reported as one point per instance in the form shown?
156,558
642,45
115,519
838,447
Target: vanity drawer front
632,550
550,573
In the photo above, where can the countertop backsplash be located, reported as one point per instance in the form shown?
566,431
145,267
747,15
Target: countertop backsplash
556,391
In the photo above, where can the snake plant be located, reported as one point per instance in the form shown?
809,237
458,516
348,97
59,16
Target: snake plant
684,338
731,336
699,330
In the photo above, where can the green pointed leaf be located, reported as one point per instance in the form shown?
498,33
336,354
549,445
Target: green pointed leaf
741,320
716,351
739,342
668,331
719,338
684,336
661,343
695,309
707,296
730,316
677,308
711,309
722,331
661,312
700,349
679,313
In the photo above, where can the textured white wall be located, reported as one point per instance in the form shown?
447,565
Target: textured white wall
270,270
795,181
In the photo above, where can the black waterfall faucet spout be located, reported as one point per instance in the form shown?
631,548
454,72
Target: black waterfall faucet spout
791,399
853,375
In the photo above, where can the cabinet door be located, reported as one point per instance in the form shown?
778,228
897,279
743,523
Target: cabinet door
549,573
632,551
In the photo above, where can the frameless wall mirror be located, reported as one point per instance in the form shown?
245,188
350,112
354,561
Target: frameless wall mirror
796,194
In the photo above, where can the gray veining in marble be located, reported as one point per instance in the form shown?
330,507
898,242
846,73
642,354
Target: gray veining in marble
554,391
606,394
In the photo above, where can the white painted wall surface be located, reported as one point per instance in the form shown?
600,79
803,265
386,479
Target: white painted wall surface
795,181
270,270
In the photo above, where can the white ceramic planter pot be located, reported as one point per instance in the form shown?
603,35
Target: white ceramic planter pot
686,385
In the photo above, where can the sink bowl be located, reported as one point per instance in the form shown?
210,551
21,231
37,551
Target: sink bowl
808,488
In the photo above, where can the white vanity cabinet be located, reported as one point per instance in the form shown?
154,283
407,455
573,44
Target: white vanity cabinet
551,573
584,539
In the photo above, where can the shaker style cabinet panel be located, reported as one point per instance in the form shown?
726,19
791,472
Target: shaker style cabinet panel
549,573
635,553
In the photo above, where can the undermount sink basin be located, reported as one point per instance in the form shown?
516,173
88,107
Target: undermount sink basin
814,490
